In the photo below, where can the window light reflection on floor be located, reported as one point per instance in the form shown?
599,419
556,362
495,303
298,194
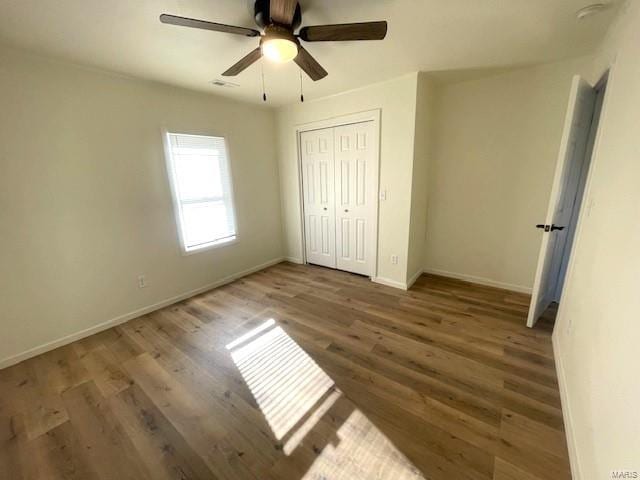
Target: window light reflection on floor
362,452
283,379
293,391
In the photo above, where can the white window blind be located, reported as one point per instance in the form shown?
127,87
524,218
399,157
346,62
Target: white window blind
201,181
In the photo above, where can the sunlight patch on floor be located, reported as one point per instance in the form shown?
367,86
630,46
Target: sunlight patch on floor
250,334
362,451
283,379
295,394
298,436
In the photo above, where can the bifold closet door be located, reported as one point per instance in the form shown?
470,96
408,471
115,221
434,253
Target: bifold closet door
318,185
355,197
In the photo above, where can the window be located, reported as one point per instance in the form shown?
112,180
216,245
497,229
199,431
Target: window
201,182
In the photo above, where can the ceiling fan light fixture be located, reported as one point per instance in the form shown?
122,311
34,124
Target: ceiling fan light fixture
279,44
280,50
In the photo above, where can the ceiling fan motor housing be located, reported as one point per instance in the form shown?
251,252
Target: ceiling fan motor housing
274,31
263,19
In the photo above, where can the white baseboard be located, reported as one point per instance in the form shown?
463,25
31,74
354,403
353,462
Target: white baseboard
32,352
413,279
389,283
479,280
293,260
392,283
576,474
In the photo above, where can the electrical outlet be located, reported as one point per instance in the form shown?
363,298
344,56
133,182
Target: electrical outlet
383,195
394,259
142,281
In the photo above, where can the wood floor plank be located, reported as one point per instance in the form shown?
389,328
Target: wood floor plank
519,429
59,455
109,449
541,393
165,452
297,372
123,347
105,371
186,412
39,400
14,448
431,389
507,471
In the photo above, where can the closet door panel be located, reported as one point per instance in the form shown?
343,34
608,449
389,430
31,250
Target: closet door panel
354,198
318,177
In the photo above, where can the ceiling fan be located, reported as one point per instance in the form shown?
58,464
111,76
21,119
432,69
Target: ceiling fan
278,19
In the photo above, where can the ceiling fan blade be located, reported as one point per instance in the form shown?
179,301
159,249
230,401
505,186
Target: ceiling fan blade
344,32
282,11
244,63
309,64
202,24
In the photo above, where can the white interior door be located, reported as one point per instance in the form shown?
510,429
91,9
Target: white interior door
579,194
570,161
355,197
317,155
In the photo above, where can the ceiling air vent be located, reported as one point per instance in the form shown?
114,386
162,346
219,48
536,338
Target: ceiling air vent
591,10
221,83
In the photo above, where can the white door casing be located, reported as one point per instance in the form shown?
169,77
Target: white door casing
355,196
317,162
571,158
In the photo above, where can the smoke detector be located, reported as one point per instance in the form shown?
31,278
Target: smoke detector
590,10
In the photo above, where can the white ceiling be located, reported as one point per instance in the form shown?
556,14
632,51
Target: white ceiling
125,36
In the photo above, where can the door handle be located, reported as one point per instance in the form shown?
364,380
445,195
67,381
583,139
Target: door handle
555,227
543,226
346,210
324,208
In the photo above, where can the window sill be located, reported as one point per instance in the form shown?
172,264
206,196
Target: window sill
210,246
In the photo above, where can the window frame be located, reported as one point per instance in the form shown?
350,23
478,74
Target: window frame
177,204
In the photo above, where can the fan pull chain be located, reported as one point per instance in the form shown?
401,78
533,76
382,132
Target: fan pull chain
301,91
264,93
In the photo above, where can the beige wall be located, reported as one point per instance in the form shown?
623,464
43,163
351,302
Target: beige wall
85,202
423,148
597,334
496,146
397,101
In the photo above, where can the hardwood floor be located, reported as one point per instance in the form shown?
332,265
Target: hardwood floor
296,372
